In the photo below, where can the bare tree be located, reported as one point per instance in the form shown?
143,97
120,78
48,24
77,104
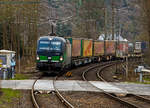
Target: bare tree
19,23
146,10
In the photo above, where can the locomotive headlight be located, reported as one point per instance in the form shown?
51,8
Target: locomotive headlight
38,58
49,57
61,58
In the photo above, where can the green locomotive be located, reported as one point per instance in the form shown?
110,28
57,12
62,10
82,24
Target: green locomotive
53,53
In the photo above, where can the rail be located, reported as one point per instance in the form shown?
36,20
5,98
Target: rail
103,66
58,94
33,95
61,98
133,95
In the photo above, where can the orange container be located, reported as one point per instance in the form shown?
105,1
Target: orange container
123,47
76,47
87,46
110,47
98,48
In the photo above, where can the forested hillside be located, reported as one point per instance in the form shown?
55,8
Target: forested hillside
70,18
90,17
23,21
19,28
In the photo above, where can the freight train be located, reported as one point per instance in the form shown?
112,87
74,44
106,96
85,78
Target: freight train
57,53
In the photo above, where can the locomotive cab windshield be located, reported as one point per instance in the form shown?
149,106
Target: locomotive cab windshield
55,46
44,45
50,45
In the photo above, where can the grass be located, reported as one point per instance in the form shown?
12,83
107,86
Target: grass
142,82
8,96
147,78
45,95
137,82
20,77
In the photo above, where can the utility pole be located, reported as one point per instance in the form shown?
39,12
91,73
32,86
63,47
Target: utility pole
117,37
113,17
105,16
126,66
105,26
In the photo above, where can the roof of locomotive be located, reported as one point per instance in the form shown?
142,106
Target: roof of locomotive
54,38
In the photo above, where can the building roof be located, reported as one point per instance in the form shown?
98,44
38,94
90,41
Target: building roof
109,37
7,51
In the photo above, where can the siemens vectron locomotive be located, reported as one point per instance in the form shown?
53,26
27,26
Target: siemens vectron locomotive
60,53
53,53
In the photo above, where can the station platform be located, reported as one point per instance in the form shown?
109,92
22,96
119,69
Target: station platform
75,85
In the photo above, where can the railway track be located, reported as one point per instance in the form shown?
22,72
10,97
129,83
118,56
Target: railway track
35,103
102,67
123,100
139,101
61,98
57,93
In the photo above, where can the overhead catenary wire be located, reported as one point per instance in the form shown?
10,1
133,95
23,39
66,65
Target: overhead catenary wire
24,2
19,2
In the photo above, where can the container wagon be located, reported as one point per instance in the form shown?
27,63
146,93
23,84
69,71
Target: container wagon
76,54
82,50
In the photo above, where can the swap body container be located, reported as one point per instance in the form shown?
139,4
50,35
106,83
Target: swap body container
130,48
76,47
122,48
137,48
144,46
110,47
87,47
98,48
127,47
140,47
